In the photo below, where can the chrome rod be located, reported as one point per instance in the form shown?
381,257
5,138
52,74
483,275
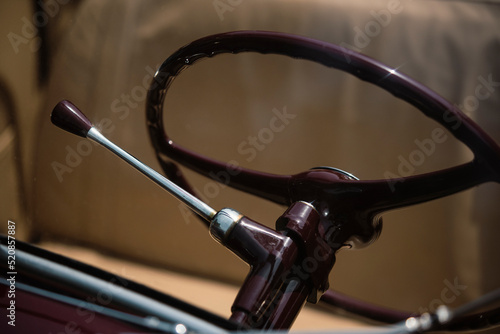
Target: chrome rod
198,206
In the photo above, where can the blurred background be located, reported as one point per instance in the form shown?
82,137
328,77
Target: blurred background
101,55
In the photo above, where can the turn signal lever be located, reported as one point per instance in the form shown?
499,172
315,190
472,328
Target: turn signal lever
279,281
68,117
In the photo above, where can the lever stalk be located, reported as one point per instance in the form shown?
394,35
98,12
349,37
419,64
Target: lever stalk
201,208
68,117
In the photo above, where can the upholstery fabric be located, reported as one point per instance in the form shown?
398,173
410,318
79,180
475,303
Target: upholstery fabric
106,61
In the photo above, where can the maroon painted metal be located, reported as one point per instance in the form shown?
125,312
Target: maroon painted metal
302,222
293,297
38,314
273,256
476,321
349,210
68,117
364,309
270,256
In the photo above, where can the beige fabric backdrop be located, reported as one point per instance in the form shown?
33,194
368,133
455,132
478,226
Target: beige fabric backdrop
19,102
110,51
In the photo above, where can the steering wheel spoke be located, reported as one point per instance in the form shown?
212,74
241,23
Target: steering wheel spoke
384,195
265,185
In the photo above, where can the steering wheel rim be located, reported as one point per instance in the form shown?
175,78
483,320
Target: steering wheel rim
378,195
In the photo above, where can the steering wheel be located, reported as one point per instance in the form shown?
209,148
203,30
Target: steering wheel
352,206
